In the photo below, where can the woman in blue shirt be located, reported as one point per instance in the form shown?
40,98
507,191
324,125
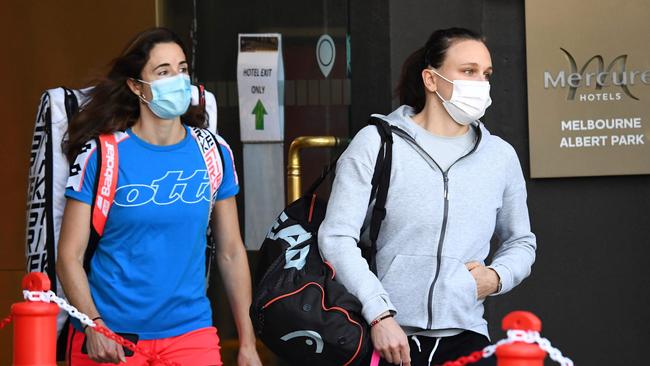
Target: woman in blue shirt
147,274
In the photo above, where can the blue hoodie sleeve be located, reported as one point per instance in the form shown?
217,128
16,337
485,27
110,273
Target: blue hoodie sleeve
517,244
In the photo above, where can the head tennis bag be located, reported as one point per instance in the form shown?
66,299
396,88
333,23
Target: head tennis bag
299,310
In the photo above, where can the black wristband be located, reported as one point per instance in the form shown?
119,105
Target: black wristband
93,319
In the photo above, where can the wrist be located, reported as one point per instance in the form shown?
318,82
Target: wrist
247,341
98,320
381,317
499,284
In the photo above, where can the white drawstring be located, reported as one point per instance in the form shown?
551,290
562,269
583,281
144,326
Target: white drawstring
417,342
434,350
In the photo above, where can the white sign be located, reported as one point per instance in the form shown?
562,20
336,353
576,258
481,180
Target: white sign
260,77
325,54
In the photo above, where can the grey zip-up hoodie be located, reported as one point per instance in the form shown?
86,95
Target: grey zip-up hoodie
436,222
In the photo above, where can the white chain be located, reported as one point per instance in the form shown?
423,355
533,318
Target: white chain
553,352
50,296
513,335
529,337
489,350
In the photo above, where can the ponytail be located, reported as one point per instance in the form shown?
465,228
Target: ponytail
410,88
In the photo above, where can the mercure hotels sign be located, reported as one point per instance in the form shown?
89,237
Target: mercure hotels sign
588,88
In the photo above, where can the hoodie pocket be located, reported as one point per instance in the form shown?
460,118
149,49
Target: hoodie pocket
456,303
407,282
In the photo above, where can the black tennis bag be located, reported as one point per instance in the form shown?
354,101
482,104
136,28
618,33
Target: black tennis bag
299,310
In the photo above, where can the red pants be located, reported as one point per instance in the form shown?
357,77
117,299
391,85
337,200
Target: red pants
196,348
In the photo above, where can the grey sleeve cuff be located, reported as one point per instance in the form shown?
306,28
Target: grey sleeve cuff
376,306
505,277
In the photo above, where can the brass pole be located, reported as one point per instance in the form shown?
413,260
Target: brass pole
294,184
158,10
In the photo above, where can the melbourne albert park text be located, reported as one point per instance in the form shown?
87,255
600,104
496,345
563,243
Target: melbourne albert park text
605,124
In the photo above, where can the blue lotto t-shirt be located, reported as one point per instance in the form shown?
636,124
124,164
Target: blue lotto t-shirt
148,273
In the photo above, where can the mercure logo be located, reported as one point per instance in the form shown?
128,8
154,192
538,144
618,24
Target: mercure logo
597,74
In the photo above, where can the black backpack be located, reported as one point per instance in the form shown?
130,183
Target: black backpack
299,310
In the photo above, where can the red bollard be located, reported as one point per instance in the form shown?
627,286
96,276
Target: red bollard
520,353
35,326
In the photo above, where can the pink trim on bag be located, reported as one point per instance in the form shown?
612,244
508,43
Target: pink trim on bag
374,361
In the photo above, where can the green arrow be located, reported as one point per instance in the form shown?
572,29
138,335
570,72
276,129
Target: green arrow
259,113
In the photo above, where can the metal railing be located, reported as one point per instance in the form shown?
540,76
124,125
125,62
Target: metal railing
294,167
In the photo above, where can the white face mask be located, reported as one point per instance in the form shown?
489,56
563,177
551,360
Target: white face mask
469,100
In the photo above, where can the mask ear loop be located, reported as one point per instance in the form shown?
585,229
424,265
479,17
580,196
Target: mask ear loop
141,95
445,79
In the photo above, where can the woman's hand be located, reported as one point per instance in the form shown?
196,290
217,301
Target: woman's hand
487,279
101,349
248,356
73,241
390,341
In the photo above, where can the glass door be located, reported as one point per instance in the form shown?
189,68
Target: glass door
317,87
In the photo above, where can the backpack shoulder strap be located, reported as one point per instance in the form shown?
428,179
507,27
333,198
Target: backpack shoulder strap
201,95
71,105
105,187
206,140
380,184
70,102
106,181
208,144
214,163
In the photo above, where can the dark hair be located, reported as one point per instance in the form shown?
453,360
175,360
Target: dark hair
410,88
111,105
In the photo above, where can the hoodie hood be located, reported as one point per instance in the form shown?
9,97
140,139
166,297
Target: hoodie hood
402,118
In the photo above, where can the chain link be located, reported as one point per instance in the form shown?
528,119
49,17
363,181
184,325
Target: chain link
50,296
472,358
132,346
514,336
490,350
5,321
553,352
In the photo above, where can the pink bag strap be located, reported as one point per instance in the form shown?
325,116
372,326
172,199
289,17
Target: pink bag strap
374,361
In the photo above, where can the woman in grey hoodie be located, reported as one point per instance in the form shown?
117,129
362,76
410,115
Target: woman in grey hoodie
452,186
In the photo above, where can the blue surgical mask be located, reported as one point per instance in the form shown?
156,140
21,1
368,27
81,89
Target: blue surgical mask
170,96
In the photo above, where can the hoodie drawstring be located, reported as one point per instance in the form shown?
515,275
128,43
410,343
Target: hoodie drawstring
434,350
417,342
